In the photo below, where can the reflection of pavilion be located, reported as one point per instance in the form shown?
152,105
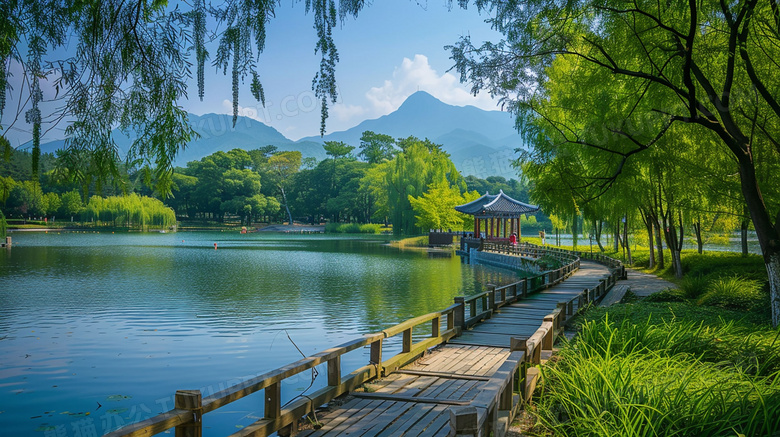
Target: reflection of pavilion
496,216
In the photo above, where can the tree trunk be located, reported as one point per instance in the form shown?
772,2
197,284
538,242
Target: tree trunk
287,208
743,227
773,272
659,244
616,238
675,243
697,231
597,228
574,232
648,221
625,241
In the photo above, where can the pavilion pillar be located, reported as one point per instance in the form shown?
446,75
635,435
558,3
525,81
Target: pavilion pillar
519,233
476,227
511,226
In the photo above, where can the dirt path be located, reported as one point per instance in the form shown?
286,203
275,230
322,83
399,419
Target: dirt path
644,284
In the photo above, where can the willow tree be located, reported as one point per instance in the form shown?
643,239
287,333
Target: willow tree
126,64
716,61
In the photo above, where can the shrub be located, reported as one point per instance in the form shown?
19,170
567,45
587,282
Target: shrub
370,228
350,228
735,293
332,228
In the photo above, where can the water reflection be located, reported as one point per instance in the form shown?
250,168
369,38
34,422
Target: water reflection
122,321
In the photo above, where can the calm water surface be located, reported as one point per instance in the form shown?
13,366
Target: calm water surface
99,330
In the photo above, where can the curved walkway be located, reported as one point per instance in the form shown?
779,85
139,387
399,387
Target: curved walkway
415,401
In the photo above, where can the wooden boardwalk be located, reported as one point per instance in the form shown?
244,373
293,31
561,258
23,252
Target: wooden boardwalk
470,376
415,401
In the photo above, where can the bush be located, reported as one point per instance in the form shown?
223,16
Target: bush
352,228
332,228
370,228
736,293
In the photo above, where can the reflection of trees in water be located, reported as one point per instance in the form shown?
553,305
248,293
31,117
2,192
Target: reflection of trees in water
483,275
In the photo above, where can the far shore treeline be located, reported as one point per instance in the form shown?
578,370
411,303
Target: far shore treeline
408,184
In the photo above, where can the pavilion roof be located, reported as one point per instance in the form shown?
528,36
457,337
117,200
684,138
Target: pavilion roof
496,205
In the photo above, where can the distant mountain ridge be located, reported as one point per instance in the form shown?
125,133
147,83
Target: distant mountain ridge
480,142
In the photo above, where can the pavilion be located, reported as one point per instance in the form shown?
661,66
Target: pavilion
496,215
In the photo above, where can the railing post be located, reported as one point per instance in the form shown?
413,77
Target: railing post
464,421
459,313
549,339
571,308
491,297
435,325
273,401
334,371
407,341
190,400
563,306
525,288
376,356
520,344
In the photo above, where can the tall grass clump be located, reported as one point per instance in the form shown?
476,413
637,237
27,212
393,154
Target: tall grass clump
693,286
641,379
736,293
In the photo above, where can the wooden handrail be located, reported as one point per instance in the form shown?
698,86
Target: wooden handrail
278,418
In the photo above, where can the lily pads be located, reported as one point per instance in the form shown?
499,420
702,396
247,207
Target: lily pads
44,428
116,410
116,398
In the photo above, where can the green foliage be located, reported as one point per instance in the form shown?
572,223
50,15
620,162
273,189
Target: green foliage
352,228
71,203
435,209
3,226
736,293
419,166
643,370
692,286
548,262
131,211
223,183
376,148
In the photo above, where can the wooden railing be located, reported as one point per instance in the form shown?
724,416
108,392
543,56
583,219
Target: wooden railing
494,408
189,407
499,399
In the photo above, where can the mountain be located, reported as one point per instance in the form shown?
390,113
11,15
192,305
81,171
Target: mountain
217,133
479,142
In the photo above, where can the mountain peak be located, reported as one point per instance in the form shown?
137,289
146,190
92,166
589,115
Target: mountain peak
422,99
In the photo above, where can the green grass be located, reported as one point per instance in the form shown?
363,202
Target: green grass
652,369
353,228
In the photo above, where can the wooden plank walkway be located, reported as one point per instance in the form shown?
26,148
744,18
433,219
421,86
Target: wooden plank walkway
415,400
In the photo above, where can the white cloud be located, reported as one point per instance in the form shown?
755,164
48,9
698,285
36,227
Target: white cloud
249,112
344,112
417,75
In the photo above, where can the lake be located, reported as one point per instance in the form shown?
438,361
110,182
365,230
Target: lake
98,330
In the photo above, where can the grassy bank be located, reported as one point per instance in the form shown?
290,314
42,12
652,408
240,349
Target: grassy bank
648,369
411,242
701,360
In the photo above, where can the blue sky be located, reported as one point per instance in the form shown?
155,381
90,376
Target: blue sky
394,48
